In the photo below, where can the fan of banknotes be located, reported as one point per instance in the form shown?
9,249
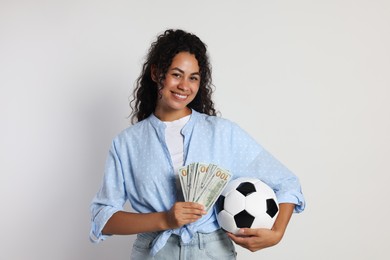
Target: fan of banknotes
203,183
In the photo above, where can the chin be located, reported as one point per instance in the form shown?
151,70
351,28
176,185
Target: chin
179,106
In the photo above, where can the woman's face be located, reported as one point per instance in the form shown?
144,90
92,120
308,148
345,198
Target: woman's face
179,88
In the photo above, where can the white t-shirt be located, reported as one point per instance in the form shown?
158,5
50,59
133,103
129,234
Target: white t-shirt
175,139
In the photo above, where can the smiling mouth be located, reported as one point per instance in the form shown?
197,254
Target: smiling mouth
179,96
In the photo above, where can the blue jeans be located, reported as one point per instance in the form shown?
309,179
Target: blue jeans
216,246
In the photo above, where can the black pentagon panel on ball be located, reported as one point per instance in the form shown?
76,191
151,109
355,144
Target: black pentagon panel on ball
244,219
246,188
220,203
272,208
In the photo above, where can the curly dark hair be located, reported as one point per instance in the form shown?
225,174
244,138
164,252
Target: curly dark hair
160,56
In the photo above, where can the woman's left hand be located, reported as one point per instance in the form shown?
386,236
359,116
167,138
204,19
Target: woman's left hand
255,239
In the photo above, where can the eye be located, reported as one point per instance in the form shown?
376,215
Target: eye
194,78
176,75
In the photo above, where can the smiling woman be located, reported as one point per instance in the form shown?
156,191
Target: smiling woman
175,126
171,51
179,87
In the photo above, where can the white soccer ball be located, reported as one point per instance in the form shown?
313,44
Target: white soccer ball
246,203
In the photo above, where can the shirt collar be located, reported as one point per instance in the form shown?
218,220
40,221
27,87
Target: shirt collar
156,123
159,125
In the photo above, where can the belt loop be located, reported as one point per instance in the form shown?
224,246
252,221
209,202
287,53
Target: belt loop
201,245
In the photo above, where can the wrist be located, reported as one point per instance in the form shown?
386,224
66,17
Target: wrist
278,235
165,223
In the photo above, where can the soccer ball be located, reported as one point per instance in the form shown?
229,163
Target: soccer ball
246,203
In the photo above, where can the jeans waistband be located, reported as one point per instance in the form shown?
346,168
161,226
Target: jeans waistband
199,238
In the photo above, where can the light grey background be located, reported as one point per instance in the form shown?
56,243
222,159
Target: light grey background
308,79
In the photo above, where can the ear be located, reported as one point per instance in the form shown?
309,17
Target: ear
153,73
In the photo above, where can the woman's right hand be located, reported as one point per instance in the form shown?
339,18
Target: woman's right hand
128,223
183,213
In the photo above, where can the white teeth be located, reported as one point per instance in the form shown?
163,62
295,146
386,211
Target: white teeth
180,96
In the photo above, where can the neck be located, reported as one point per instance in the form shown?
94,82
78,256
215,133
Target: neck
169,116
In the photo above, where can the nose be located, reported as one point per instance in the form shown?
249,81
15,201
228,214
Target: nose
183,84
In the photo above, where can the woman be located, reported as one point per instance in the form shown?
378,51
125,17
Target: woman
176,124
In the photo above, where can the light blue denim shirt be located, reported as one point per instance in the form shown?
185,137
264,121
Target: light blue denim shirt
139,169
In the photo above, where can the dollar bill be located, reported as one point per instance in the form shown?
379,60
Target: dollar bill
203,183
202,174
191,177
212,190
183,177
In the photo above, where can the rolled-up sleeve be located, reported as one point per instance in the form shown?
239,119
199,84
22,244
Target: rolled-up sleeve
110,198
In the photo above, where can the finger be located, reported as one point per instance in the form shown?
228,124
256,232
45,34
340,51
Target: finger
183,218
248,232
193,205
187,220
238,240
182,207
189,212
235,238
231,236
194,209
194,217
197,212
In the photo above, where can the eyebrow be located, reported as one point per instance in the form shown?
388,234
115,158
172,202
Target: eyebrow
182,71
